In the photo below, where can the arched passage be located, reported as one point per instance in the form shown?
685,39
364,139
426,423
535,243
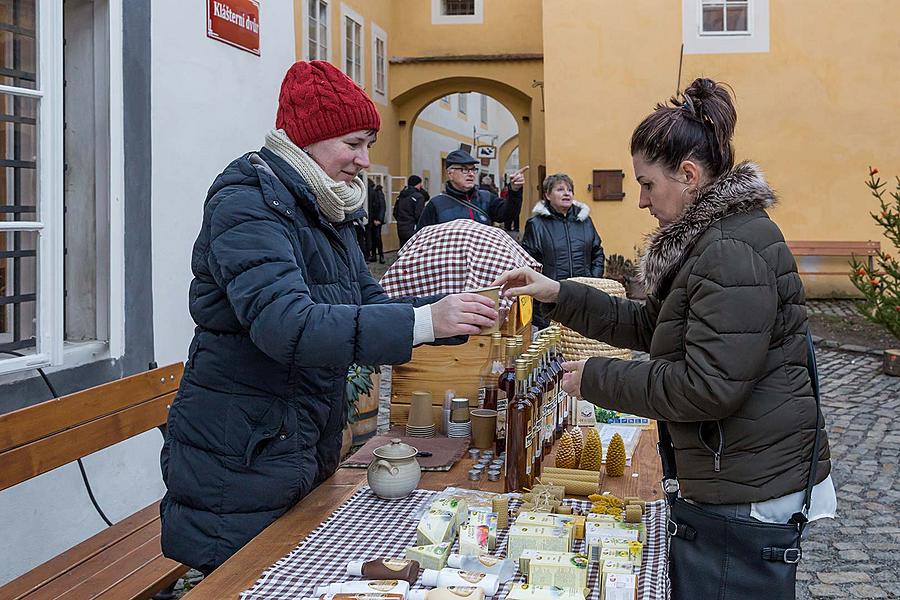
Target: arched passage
410,103
507,148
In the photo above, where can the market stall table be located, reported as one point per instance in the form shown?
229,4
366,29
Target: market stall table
243,569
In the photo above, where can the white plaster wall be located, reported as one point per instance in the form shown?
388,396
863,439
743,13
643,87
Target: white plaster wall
210,103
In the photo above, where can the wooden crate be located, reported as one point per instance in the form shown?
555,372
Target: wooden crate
437,369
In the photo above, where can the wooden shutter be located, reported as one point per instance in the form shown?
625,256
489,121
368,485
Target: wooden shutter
607,184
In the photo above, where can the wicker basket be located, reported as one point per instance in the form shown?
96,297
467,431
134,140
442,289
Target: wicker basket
575,346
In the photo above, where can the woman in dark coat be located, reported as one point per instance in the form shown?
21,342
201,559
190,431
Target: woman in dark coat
284,303
724,323
562,237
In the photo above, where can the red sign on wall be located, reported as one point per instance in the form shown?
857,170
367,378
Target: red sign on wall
235,22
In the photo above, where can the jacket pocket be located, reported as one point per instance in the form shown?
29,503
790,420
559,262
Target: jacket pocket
278,424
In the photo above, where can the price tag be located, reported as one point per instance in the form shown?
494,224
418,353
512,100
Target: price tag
525,308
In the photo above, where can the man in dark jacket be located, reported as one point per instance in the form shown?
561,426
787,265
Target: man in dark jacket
462,200
409,207
376,220
561,236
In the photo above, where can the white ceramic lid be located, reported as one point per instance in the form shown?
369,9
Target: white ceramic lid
395,450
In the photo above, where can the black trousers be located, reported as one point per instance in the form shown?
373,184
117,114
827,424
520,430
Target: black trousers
376,247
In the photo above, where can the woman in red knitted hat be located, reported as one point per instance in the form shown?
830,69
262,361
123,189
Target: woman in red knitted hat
284,303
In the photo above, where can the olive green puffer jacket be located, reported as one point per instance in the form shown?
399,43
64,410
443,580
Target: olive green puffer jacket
725,325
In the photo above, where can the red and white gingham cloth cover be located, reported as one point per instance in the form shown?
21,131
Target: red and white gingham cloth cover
453,257
367,528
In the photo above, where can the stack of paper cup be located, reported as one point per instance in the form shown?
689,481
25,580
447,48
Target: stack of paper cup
459,426
421,418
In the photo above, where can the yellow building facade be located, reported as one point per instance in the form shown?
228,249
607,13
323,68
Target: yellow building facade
816,93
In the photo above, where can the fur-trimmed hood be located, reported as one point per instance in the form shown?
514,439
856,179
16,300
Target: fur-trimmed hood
542,209
739,191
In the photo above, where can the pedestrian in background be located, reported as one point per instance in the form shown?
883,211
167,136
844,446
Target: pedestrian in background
561,236
376,220
463,200
410,203
726,329
284,303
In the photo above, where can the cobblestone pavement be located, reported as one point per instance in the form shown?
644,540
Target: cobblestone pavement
832,307
856,555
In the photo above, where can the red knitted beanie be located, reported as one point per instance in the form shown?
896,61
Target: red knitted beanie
318,101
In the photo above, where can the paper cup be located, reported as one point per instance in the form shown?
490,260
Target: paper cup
494,294
484,427
420,413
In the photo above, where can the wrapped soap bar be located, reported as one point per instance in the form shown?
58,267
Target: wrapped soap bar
617,566
566,570
521,538
631,553
473,539
617,543
436,527
484,516
548,520
618,586
640,528
432,556
457,506
526,591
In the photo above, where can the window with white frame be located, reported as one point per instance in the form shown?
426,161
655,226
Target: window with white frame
725,26
379,63
457,12
484,109
317,30
353,45
462,103
31,235
724,17
445,101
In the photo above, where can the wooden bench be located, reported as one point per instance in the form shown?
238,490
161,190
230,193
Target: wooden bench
124,560
868,249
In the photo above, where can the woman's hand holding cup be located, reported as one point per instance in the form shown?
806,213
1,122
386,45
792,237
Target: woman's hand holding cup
462,314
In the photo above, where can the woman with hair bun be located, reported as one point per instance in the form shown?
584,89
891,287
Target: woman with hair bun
724,323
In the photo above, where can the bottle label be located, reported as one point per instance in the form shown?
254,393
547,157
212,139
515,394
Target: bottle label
383,585
471,576
482,392
463,591
502,403
487,560
395,564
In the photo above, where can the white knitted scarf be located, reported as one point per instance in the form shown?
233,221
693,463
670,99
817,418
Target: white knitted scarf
336,199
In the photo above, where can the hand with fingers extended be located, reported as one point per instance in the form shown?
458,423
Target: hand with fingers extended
517,180
571,382
462,314
527,281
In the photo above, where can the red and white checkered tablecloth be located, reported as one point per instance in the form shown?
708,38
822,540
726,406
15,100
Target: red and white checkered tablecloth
453,257
367,527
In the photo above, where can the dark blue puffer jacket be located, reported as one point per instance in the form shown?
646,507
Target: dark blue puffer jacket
283,303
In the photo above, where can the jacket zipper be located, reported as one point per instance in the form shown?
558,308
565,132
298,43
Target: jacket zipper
569,249
717,454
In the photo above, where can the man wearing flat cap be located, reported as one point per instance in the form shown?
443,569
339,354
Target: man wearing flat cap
463,200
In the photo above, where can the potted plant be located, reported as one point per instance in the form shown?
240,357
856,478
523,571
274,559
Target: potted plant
362,403
880,285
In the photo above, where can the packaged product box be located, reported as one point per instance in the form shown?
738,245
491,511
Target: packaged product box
436,527
618,586
579,521
593,531
617,566
548,520
640,528
432,556
566,570
473,539
601,518
615,543
526,591
630,553
488,518
555,539
457,506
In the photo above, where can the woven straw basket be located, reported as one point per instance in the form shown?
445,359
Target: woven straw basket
575,346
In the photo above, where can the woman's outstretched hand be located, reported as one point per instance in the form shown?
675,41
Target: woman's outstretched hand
462,314
571,382
527,281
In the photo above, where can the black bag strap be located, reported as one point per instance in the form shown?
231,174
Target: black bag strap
467,204
667,451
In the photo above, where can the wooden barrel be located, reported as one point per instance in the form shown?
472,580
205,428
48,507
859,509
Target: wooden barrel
367,418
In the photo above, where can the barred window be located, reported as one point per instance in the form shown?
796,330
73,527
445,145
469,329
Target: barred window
458,7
